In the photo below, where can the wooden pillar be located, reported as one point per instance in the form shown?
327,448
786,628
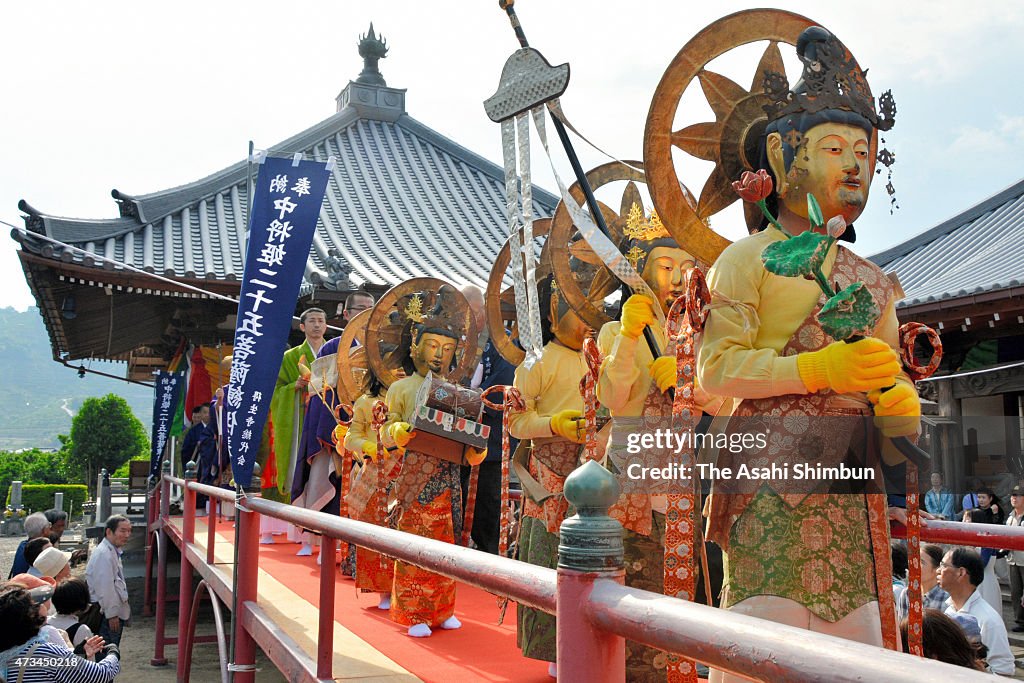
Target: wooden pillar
954,464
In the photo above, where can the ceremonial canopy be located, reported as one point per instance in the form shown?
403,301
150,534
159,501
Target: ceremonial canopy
396,183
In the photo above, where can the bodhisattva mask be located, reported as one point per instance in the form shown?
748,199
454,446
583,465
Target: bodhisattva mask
567,327
832,162
433,353
665,273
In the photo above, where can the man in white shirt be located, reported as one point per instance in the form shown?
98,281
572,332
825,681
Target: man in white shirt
960,573
105,576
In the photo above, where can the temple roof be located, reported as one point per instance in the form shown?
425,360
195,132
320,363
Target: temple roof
403,201
979,250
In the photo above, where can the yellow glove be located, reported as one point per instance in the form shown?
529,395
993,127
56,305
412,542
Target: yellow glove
897,411
663,372
564,423
369,449
637,313
401,433
339,439
339,433
475,457
846,368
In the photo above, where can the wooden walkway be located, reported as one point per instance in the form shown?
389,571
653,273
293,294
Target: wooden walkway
368,646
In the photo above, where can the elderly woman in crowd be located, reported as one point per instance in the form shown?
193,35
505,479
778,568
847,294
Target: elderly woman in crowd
28,657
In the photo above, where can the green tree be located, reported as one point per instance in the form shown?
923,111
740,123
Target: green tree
104,433
32,466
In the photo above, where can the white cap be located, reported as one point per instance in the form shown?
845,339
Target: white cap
51,561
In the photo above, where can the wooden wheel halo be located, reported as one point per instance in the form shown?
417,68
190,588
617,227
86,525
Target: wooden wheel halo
352,363
573,262
730,141
388,323
500,300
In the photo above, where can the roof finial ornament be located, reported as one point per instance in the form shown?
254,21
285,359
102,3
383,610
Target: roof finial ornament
372,50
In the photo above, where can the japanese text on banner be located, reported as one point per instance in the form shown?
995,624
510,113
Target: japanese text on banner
284,210
165,402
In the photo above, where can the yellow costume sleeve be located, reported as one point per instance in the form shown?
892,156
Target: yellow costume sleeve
729,363
551,386
619,371
400,400
359,430
396,413
529,424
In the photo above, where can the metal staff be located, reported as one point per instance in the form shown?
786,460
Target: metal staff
574,161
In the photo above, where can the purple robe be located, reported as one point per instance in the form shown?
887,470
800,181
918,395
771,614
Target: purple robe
317,436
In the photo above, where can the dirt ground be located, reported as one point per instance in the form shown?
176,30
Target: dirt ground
137,651
139,640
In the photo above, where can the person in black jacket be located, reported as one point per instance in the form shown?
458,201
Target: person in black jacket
487,512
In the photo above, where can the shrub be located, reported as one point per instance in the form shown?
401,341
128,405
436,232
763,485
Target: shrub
39,497
32,466
122,471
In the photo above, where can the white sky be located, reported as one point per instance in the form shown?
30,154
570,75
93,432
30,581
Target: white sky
142,97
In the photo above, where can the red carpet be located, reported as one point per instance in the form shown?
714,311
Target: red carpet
479,651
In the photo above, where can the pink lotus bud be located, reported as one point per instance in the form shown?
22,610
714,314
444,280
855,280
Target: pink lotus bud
836,226
753,187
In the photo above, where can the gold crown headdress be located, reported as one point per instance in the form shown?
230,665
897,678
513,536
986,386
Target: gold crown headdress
644,235
441,318
414,309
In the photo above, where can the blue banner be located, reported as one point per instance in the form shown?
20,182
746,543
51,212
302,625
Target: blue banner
283,213
165,404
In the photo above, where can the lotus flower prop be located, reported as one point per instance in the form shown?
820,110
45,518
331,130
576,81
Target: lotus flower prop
847,314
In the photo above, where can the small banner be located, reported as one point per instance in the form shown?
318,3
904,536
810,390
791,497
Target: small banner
284,209
165,404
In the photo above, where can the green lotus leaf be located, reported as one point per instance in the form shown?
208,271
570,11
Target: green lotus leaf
814,211
851,312
799,256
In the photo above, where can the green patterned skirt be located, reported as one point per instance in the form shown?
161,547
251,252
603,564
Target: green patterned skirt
535,629
817,554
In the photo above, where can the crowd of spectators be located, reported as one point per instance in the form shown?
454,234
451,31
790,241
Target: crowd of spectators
58,627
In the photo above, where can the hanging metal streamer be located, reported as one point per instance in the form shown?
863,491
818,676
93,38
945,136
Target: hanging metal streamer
523,262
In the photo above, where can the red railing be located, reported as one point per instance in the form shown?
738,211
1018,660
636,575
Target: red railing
597,611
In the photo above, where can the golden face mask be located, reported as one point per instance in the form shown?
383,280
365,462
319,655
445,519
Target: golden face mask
832,163
568,329
433,353
665,273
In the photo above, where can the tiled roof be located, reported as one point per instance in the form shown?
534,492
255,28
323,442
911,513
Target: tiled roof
979,250
403,201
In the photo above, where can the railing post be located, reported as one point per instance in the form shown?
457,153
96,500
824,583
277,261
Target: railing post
246,577
152,501
161,566
590,548
211,528
325,633
188,537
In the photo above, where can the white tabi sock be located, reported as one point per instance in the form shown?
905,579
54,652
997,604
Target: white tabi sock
451,623
419,631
